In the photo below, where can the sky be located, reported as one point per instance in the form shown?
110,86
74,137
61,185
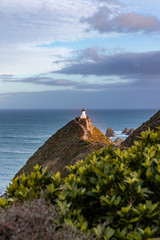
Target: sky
70,54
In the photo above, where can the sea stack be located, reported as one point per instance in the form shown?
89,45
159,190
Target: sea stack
71,143
126,130
130,131
110,133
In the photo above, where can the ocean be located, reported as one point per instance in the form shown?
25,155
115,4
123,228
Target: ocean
22,132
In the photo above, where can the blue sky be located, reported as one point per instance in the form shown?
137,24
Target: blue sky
83,53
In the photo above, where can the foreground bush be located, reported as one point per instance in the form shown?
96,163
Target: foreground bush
39,182
117,192
36,220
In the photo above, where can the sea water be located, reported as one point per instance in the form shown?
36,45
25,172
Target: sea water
22,132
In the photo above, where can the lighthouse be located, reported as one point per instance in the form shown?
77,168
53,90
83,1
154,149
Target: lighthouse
83,115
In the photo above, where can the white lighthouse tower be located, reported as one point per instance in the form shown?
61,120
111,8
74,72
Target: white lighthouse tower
83,115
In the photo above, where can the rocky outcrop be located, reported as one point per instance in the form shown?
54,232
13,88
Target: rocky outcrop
130,131
118,141
126,130
152,123
71,143
110,133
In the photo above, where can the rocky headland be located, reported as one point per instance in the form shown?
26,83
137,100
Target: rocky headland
71,143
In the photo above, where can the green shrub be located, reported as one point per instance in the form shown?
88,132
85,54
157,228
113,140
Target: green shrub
117,192
39,182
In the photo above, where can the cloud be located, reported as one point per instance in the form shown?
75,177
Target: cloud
105,20
111,3
81,55
95,70
6,77
42,21
135,67
30,60
27,26
82,85
40,81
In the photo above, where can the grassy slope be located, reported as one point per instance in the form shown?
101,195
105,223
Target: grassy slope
66,147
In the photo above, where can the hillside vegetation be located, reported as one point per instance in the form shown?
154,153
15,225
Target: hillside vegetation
113,194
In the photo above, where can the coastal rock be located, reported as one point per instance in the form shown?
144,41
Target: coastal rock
110,133
152,123
71,143
126,130
118,141
130,131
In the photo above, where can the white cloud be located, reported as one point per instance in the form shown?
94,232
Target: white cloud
26,24
41,21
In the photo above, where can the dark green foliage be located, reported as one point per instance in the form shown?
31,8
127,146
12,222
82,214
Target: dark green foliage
39,182
117,192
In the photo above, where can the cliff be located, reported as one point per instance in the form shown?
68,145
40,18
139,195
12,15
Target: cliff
152,123
71,143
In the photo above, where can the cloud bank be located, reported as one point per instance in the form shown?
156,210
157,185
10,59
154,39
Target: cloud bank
64,84
120,70
143,68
